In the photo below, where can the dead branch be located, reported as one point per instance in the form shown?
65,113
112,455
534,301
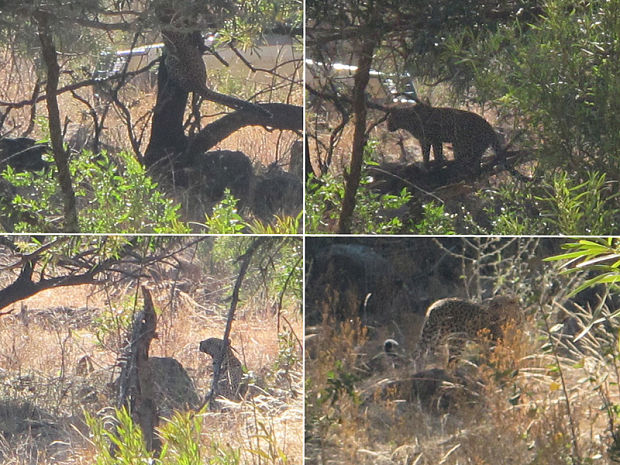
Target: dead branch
217,363
79,85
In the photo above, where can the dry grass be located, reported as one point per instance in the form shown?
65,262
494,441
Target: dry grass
43,396
514,411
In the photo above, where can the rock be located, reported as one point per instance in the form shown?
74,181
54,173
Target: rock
22,154
227,169
277,193
174,389
361,282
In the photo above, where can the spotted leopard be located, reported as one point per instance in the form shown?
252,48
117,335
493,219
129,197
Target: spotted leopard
183,60
231,383
453,321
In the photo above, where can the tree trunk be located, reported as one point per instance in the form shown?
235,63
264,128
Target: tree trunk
352,179
170,150
136,391
167,136
60,155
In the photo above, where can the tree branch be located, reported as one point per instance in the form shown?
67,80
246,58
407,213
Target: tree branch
217,363
79,85
285,117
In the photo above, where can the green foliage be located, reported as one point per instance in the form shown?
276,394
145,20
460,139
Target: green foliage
225,218
509,210
225,82
599,258
555,205
256,16
181,440
374,213
288,269
113,322
91,249
580,208
340,383
276,269
127,439
323,196
219,454
288,352
113,194
121,194
599,255
560,77
372,210
283,225
435,220
555,75
180,436
322,406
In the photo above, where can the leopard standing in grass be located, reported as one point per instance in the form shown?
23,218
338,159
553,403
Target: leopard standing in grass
453,321
231,383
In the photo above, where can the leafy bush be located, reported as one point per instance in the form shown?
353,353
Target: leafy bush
371,210
180,438
225,218
288,352
555,205
580,208
599,255
435,220
113,194
283,225
559,78
374,213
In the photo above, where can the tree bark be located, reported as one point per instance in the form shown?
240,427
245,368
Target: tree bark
24,286
352,179
167,135
61,157
136,391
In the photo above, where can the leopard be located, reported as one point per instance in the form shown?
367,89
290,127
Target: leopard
185,66
231,384
453,321
469,133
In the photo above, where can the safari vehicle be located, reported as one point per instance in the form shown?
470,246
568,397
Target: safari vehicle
388,87
275,53
111,63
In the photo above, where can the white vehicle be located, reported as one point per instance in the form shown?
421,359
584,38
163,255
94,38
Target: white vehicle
275,52
381,85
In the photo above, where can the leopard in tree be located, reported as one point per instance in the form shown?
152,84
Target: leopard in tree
231,384
183,60
453,321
